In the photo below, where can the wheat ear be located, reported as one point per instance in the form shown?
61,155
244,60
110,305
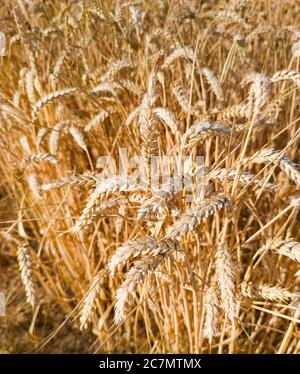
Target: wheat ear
114,69
284,75
225,270
90,298
97,120
182,98
200,131
211,310
289,248
271,155
85,180
78,137
147,246
244,178
56,134
149,124
38,157
186,52
32,180
38,106
192,218
264,291
133,279
25,265
214,83
103,187
167,117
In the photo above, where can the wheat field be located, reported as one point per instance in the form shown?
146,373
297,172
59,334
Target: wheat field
203,259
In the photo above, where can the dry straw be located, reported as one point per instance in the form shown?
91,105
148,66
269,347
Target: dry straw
195,263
